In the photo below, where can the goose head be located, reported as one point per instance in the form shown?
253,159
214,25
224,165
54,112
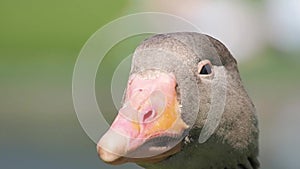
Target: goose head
184,106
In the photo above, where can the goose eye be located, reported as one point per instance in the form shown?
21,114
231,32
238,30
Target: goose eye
205,69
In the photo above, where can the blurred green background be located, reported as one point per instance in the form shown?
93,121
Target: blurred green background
39,44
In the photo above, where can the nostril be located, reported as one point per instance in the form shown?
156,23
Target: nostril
148,115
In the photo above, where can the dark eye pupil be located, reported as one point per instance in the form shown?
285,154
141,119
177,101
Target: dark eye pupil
206,69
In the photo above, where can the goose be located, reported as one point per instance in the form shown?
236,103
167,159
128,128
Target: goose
184,107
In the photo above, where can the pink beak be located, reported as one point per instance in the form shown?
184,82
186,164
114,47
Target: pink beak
150,111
